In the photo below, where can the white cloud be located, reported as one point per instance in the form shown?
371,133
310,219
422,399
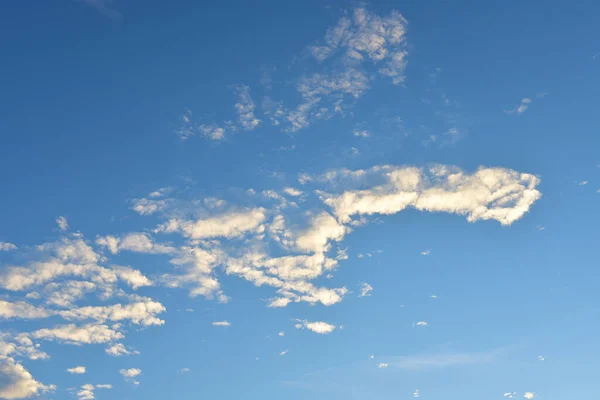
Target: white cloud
541,358
426,252
510,395
212,131
382,365
365,289
76,370
322,328
367,37
283,353
186,128
361,133
134,242
292,191
86,392
521,108
148,206
77,335
221,323
104,386
229,225
489,193
22,310
118,349
529,395
130,374
582,183
281,333
323,228
140,313
5,246
421,323
68,257
184,370
62,223
416,393
20,344
17,382
245,108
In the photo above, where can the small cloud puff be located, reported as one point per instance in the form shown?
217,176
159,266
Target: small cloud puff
76,370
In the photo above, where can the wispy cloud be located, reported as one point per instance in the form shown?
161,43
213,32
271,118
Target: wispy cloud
365,289
442,360
103,7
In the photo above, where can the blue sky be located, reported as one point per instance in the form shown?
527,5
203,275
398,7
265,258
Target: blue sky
333,200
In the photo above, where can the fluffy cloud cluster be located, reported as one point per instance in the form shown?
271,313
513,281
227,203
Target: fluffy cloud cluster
17,382
286,245
490,193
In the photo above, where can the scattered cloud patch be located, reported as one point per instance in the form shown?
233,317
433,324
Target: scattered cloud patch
62,223
521,108
221,323
130,374
529,395
365,289
119,349
382,365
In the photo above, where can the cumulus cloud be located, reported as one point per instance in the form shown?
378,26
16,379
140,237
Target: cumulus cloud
17,382
78,335
22,310
490,193
228,225
417,393
322,328
67,257
292,191
529,395
134,242
5,246
382,365
130,374
221,323
87,391
145,206
76,370
140,313
323,228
